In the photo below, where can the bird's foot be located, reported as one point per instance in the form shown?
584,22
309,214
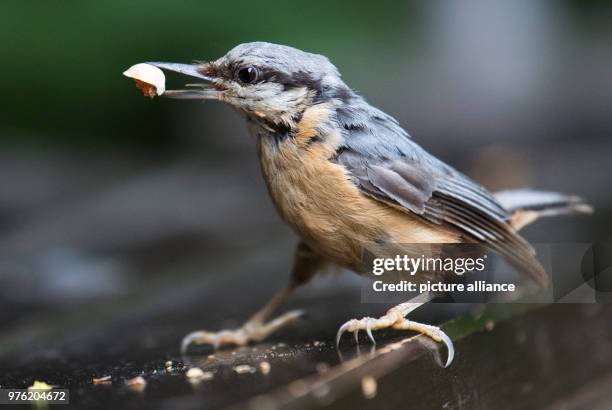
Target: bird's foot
251,331
395,319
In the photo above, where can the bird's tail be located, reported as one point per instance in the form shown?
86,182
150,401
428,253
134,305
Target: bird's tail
526,205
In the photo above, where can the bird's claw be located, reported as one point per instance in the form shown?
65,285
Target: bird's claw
399,323
369,331
252,331
354,326
449,347
238,337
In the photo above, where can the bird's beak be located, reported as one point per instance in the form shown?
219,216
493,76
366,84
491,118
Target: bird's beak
206,90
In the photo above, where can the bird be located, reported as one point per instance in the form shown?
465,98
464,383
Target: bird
343,174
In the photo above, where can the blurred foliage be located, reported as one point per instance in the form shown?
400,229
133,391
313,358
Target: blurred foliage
62,60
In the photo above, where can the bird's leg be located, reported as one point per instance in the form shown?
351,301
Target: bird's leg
396,318
255,329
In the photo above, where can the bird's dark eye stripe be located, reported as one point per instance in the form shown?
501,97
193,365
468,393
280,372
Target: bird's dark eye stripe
293,80
252,74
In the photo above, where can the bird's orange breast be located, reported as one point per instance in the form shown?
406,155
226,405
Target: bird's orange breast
318,199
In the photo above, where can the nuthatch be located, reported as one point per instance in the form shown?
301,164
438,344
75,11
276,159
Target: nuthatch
343,174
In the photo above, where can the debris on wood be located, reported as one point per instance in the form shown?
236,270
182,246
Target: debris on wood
137,384
369,387
102,380
168,366
37,385
244,368
196,375
264,367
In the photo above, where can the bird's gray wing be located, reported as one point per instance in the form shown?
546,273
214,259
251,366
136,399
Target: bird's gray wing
388,165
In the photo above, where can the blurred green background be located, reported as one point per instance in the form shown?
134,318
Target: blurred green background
63,60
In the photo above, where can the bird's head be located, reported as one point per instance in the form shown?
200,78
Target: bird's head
272,84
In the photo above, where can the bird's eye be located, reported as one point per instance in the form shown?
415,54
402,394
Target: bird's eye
248,75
